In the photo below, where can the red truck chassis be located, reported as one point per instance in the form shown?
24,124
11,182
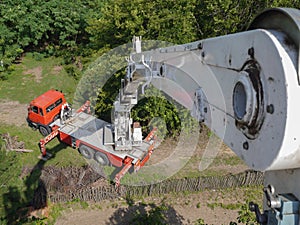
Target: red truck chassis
93,138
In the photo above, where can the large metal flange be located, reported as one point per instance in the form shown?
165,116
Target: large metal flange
248,100
244,99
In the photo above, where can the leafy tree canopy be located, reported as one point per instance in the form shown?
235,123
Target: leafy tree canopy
167,20
43,25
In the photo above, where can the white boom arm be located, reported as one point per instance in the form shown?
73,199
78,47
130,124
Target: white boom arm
244,87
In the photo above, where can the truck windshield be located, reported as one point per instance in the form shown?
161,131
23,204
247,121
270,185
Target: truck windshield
54,105
34,109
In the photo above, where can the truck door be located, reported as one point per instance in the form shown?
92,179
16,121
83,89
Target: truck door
37,115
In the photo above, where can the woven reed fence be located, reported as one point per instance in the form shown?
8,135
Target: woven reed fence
108,192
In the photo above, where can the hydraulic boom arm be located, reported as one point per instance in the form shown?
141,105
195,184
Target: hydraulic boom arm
245,88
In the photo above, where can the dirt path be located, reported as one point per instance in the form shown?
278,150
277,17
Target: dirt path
13,113
181,209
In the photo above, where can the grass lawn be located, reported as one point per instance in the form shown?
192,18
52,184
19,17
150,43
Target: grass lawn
32,78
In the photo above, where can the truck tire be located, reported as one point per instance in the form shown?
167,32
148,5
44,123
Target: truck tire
86,151
44,130
101,158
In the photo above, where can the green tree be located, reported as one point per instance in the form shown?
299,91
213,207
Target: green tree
168,20
221,17
120,20
156,106
285,3
46,26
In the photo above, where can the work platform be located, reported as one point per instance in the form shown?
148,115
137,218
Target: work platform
98,134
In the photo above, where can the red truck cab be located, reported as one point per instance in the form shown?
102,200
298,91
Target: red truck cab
44,110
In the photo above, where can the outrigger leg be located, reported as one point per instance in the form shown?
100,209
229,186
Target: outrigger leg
42,144
124,170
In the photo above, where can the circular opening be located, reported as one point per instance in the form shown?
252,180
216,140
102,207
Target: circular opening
239,100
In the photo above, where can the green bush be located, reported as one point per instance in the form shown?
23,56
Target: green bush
73,71
38,56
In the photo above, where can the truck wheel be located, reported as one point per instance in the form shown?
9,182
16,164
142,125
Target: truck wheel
86,152
44,130
101,158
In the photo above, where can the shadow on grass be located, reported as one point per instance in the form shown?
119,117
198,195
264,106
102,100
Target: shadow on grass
141,213
19,203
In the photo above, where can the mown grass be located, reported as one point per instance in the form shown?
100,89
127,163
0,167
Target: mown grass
21,85
63,155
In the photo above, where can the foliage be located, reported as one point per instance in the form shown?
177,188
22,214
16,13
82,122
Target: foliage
156,20
246,216
156,110
45,26
285,3
105,70
221,17
73,71
107,95
73,28
182,22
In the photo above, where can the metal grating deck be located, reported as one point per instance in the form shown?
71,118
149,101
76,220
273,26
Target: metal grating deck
89,129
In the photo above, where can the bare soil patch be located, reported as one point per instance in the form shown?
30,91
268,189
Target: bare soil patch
180,209
13,113
56,70
36,72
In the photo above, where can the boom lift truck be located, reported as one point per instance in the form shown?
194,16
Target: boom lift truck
119,144
245,88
